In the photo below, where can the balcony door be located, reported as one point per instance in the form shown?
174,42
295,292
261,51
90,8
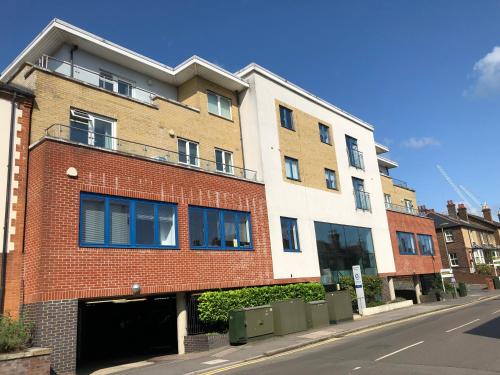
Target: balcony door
92,130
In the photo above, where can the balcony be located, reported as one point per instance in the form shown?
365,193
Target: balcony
356,158
400,183
403,209
77,135
362,199
106,81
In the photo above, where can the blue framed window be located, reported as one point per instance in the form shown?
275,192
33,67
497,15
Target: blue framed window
107,221
406,243
331,179
217,229
355,156
324,133
425,244
292,168
361,197
290,234
286,118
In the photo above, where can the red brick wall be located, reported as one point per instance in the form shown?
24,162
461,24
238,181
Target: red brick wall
13,285
409,264
57,268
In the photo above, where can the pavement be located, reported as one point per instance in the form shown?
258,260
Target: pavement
244,358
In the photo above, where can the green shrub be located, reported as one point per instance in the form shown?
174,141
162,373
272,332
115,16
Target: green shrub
371,284
215,306
485,269
14,334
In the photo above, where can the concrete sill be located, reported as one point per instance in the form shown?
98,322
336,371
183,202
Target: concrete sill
30,352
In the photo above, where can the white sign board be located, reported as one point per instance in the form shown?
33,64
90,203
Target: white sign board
358,286
446,273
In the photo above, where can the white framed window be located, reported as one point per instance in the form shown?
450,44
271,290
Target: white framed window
188,152
448,236
408,205
91,129
292,169
453,260
108,81
224,161
219,105
479,256
388,200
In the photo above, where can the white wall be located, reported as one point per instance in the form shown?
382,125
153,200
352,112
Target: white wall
87,60
261,147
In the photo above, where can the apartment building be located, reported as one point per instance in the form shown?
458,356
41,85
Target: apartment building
323,189
416,252
470,241
138,197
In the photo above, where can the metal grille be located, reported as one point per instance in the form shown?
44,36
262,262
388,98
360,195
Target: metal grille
195,325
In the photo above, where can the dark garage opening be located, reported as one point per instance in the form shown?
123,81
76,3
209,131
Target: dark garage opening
118,331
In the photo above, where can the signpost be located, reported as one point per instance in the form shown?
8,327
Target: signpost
358,286
496,263
446,273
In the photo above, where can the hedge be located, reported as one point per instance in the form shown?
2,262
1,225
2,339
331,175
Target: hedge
215,306
14,334
372,286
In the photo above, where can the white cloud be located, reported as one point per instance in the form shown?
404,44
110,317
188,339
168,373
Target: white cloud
416,143
486,73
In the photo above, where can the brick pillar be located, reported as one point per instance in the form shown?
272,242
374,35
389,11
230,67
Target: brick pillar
55,327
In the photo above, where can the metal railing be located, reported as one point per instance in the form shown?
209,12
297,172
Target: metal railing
403,209
362,199
103,80
104,141
356,158
399,183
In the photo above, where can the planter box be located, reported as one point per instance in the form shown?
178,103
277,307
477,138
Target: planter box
339,306
386,307
32,361
289,316
317,314
204,342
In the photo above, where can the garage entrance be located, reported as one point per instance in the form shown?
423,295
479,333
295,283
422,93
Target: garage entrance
118,331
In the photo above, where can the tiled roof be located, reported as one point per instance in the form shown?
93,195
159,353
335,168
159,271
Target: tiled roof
440,218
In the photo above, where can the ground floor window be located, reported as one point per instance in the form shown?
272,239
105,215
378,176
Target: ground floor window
290,234
342,246
216,229
479,256
107,221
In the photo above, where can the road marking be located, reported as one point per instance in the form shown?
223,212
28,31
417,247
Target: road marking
494,312
399,351
463,325
356,368
215,361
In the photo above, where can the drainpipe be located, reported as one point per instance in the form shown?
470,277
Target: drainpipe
7,203
71,56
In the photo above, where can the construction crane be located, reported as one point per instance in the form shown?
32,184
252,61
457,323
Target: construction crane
456,188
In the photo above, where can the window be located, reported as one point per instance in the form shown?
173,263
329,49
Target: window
453,259
331,180
408,206
383,170
290,234
388,200
479,256
224,161
406,243
219,105
425,244
292,168
355,156
109,82
361,197
107,221
188,152
484,238
216,229
324,133
342,246
448,235
286,118
91,129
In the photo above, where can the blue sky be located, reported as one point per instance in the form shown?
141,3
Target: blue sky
424,73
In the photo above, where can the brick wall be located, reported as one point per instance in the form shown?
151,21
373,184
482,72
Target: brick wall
457,246
55,326
36,361
57,268
410,264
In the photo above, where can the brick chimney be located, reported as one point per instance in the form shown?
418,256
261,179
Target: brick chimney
462,212
452,210
487,212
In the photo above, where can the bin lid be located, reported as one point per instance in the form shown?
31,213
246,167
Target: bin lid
321,302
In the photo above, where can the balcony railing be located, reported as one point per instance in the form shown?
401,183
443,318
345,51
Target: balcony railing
399,183
356,158
403,209
362,199
103,80
107,142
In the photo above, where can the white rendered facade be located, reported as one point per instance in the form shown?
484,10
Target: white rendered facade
261,145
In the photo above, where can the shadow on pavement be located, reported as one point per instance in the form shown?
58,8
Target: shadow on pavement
489,329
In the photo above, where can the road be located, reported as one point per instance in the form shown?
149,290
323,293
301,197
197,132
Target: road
464,341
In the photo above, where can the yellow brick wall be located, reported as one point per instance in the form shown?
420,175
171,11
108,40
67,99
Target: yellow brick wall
304,144
137,122
397,193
